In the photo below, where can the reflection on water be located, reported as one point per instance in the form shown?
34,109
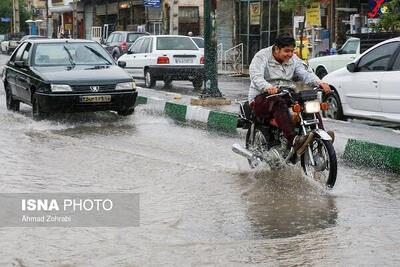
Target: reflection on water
284,204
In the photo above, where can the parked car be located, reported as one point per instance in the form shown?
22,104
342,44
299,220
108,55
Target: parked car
14,40
346,54
119,42
4,44
66,76
368,87
167,58
199,41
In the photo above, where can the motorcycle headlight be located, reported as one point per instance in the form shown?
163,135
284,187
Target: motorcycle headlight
126,86
312,106
60,88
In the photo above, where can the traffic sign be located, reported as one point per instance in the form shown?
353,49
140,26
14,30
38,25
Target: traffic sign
152,3
5,19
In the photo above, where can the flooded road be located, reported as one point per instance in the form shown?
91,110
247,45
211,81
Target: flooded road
200,205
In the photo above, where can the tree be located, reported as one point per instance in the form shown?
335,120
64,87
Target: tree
6,11
293,5
390,17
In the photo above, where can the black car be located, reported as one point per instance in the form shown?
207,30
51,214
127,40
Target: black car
66,76
119,42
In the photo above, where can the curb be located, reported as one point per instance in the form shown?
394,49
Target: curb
373,155
218,120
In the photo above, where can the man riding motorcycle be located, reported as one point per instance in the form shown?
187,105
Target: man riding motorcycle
274,67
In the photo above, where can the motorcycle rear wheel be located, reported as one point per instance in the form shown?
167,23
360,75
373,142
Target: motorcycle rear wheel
323,153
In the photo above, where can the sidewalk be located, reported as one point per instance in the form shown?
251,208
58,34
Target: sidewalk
355,142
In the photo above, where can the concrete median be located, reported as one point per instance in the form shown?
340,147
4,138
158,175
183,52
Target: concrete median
218,120
373,155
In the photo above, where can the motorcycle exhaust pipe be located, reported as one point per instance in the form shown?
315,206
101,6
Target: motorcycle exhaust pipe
238,149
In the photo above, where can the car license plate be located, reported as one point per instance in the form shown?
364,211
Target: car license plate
95,98
183,60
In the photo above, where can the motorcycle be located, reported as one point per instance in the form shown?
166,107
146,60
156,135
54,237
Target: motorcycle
265,142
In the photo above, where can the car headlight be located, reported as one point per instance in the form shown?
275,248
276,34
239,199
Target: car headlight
312,106
60,88
126,86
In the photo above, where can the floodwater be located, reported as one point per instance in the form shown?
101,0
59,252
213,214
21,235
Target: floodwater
200,204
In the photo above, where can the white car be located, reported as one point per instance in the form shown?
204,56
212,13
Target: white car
166,58
199,41
368,87
346,54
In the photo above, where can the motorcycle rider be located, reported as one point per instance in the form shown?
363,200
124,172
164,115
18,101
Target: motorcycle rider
273,67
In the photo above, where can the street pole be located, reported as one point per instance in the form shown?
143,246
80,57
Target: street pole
16,23
75,20
47,18
210,39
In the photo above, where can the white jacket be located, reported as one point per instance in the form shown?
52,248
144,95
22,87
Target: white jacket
266,72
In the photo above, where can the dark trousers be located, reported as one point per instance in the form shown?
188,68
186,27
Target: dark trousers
278,108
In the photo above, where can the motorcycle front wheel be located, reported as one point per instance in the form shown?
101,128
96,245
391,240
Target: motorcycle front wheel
256,142
325,169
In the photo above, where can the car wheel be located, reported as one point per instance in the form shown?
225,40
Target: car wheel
167,82
321,72
11,103
197,83
335,110
150,82
126,112
37,112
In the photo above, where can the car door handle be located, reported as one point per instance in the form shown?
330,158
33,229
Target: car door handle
375,81
22,79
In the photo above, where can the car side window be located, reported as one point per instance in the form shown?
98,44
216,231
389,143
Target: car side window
150,47
396,64
378,59
18,55
145,46
136,46
25,54
110,38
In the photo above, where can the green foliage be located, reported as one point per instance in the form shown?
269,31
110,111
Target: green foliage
6,11
390,20
292,5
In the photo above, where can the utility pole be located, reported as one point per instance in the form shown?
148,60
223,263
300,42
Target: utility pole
16,21
75,20
210,40
47,18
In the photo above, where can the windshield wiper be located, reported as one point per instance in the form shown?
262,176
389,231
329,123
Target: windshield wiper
98,54
70,57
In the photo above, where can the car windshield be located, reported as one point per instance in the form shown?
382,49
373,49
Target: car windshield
350,47
133,36
199,42
62,54
175,43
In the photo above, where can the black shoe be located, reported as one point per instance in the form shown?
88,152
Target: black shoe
332,135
